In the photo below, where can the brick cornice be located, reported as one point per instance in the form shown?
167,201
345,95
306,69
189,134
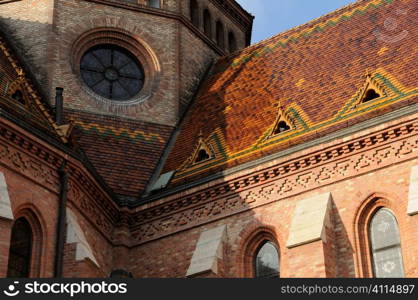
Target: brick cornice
276,181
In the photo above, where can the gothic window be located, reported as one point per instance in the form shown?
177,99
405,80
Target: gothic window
194,12
385,245
267,261
207,23
220,38
112,72
370,95
154,3
232,42
20,249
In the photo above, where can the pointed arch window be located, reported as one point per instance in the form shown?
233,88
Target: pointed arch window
385,245
266,261
207,23
20,252
194,12
232,42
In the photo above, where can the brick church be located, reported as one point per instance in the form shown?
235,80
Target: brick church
150,139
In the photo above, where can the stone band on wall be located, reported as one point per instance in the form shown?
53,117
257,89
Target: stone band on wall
413,192
208,250
310,218
5,207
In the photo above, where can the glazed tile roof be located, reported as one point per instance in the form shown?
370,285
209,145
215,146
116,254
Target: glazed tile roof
124,152
19,97
313,76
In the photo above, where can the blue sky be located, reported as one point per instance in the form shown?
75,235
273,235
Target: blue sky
275,16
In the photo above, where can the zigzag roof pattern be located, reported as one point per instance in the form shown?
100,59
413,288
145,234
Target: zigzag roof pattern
316,73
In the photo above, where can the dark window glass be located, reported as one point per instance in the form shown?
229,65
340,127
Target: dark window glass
281,127
20,249
194,12
18,96
232,42
154,3
386,245
202,155
120,274
267,261
220,38
370,95
112,72
207,23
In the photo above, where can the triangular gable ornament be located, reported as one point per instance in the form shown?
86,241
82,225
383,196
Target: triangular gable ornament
282,124
371,90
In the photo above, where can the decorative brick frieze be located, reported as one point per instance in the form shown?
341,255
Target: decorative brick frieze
290,178
32,168
41,165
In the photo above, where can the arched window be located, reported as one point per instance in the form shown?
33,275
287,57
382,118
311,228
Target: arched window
207,23
220,35
194,12
266,261
20,252
232,42
385,245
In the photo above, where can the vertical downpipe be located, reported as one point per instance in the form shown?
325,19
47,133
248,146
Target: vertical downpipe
62,205
60,242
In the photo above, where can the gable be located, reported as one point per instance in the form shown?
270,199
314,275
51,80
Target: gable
19,98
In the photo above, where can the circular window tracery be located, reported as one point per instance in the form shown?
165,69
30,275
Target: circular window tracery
112,72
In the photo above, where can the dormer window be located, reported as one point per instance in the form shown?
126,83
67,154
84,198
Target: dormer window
18,96
371,94
281,127
202,155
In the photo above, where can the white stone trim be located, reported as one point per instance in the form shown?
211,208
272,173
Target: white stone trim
413,192
310,218
76,235
209,249
5,205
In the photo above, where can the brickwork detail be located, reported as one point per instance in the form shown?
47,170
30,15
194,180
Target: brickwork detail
349,159
43,170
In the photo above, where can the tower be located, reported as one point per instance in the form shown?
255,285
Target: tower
135,59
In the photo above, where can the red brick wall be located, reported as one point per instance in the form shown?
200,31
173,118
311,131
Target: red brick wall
39,206
5,229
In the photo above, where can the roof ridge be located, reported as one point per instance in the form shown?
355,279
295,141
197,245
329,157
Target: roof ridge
297,29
